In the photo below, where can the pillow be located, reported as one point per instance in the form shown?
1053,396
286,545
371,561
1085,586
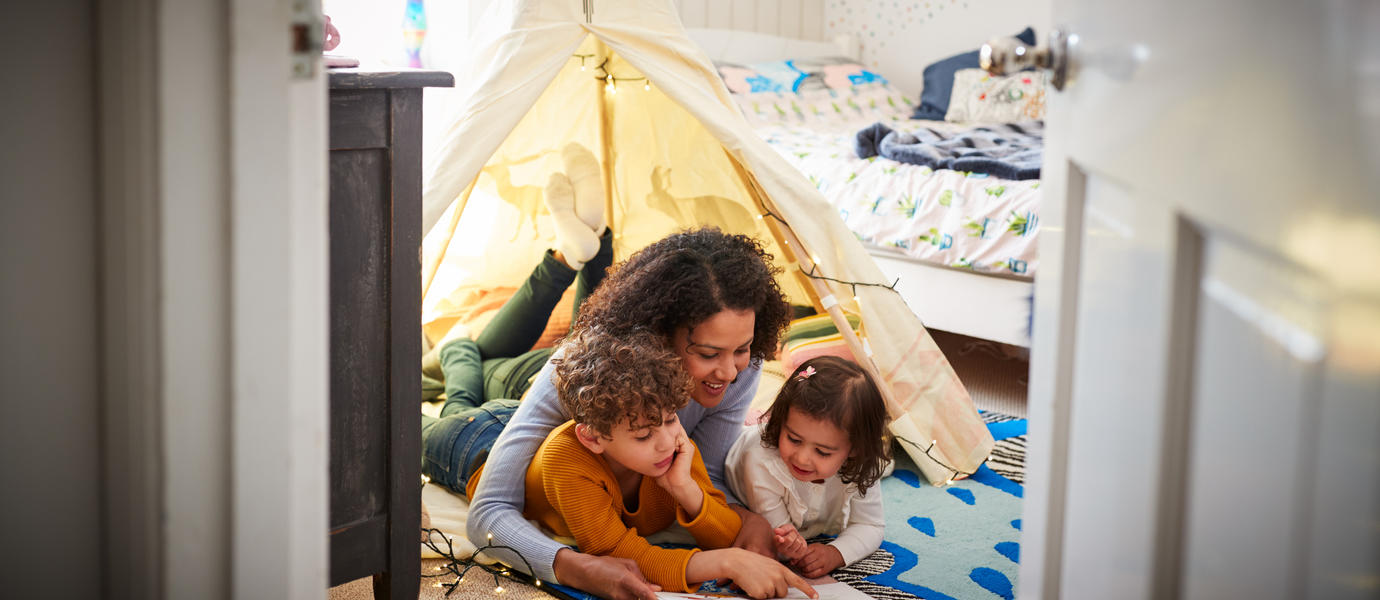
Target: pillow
939,80
983,97
795,76
815,335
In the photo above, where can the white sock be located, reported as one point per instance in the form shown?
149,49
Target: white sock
574,238
583,170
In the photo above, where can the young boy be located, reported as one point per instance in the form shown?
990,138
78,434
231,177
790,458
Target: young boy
623,469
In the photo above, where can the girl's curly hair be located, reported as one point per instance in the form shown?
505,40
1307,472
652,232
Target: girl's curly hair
602,379
686,278
842,393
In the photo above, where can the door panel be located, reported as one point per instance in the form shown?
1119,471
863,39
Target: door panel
1206,349
1114,402
1257,368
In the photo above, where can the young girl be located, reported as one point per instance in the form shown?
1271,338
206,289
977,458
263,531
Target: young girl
811,468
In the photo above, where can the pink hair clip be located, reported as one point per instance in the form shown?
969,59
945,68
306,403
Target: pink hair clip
806,372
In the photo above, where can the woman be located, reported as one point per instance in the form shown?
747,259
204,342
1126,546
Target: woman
713,295
715,298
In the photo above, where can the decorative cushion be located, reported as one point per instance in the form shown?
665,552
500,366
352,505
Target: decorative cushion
981,97
794,76
939,80
815,335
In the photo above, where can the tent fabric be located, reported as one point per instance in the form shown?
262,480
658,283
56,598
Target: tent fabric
675,153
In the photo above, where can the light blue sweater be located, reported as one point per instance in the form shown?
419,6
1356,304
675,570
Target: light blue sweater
498,500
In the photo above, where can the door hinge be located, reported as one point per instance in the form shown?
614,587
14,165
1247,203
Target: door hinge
308,33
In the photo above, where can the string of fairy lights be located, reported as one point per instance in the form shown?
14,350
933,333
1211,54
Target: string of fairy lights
460,567
813,273
611,82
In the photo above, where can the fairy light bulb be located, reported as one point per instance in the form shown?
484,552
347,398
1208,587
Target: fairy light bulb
814,258
646,86
490,536
498,589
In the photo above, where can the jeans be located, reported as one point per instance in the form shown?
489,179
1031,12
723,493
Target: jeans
485,376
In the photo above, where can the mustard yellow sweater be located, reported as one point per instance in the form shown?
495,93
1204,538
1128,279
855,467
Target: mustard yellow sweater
572,492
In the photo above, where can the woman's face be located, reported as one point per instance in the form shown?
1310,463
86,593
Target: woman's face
715,351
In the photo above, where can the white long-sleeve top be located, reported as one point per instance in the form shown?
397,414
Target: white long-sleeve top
759,477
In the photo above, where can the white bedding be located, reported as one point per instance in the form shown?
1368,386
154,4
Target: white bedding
950,218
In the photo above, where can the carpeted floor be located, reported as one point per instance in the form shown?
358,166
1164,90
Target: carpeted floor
995,374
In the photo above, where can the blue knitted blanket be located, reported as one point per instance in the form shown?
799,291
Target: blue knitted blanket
1008,151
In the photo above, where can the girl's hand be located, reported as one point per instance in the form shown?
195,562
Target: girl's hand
818,560
789,543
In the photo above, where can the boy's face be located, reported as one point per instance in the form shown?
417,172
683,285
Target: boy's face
643,448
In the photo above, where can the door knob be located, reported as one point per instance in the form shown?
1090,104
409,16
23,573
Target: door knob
1002,56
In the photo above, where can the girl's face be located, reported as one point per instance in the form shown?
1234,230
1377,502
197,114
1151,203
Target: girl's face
813,449
715,351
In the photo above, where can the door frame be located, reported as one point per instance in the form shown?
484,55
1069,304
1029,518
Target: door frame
215,300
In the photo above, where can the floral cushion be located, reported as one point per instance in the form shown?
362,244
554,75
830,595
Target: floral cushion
985,98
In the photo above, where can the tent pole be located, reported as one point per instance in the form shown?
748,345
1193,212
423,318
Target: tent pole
822,292
606,149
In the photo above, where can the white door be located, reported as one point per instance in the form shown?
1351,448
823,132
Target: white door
1205,398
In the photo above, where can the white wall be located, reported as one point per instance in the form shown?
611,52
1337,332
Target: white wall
50,462
900,37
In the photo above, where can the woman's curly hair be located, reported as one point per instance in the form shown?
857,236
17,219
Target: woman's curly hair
840,392
686,278
602,379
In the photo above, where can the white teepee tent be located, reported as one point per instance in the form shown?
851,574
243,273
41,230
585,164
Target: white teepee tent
623,79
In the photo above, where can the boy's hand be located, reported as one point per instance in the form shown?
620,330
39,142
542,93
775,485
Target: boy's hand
678,475
677,481
818,560
789,543
762,577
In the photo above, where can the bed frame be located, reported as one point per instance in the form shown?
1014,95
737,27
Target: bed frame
990,307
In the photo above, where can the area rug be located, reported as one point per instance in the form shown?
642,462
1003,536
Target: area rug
959,542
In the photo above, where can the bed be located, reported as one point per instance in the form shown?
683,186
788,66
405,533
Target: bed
961,244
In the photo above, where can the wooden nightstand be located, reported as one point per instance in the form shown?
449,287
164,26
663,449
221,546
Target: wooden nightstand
375,339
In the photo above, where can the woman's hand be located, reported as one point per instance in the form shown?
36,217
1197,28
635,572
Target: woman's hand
789,543
604,576
756,533
818,560
757,575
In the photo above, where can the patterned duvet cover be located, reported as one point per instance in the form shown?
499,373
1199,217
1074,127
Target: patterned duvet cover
952,218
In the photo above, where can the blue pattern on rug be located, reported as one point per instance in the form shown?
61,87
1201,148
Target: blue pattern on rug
905,561
993,581
1011,550
962,494
907,476
987,476
959,542
925,526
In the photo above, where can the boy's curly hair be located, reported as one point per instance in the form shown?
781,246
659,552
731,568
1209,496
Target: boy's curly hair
842,393
686,278
602,379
